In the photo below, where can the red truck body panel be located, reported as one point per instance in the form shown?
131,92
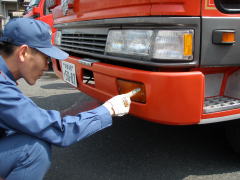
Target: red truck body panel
166,91
91,9
38,13
173,96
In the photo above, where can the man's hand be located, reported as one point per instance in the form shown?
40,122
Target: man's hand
119,105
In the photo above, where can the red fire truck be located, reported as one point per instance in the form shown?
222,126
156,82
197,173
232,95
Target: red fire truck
183,54
40,9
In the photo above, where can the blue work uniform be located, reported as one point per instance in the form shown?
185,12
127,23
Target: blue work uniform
19,114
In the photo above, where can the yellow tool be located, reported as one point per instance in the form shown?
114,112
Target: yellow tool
133,92
130,94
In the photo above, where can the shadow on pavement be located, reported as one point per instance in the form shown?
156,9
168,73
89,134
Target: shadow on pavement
67,104
49,75
137,149
62,86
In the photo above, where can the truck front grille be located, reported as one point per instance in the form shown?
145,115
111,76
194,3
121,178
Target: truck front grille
84,43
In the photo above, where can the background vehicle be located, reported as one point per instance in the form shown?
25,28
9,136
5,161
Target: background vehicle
183,54
41,10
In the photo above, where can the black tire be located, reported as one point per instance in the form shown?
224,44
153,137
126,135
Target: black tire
50,67
233,135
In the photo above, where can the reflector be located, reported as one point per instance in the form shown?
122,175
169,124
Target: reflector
125,86
228,37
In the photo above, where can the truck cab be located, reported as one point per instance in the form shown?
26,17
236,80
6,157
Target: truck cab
41,10
183,54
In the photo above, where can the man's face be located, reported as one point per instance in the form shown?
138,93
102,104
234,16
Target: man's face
34,66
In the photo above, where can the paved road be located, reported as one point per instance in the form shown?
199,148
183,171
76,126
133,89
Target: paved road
133,148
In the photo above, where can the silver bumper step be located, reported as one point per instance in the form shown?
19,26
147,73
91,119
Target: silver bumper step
220,103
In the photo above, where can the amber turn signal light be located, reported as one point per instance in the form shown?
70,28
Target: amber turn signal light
224,37
125,86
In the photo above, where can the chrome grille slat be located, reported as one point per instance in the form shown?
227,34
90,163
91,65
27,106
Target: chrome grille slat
79,51
82,42
82,48
80,38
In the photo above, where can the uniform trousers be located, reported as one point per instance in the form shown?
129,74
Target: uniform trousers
23,157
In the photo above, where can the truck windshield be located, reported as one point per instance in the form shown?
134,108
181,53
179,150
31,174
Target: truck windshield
228,6
34,3
31,5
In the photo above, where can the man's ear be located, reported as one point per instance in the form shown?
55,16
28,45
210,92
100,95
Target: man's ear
23,52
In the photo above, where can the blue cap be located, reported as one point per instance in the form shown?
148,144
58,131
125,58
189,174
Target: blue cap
34,33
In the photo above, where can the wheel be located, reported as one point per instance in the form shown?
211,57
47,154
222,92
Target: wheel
50,68
233,135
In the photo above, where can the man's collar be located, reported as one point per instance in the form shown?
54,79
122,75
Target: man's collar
5,70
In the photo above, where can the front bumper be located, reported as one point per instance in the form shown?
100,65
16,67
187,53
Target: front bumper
171,97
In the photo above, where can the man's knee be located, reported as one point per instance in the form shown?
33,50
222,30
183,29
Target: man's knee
38,152
35,159
44,152
30,156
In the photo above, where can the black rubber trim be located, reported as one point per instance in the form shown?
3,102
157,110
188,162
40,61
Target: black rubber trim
224,9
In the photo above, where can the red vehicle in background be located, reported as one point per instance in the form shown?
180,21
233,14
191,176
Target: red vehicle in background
41,10
183,54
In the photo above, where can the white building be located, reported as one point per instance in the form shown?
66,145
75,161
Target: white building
10,9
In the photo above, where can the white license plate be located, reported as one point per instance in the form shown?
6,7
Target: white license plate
69,73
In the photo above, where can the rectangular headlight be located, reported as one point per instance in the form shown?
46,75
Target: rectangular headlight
58,38
155,44
173,44
129,42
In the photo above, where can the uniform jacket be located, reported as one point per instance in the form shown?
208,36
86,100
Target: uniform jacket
20,114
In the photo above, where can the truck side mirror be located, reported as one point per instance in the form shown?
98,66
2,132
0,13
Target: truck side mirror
36,10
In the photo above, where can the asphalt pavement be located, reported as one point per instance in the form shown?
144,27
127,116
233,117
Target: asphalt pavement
133,148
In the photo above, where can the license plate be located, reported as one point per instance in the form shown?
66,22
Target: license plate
69,73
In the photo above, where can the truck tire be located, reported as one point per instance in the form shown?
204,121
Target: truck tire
50,66
233,135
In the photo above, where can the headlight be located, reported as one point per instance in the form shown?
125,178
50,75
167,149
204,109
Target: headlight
129,42
153,44
58,38
175,44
